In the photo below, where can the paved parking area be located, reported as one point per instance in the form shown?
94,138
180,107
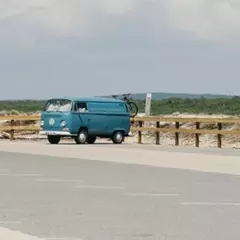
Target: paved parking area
69,199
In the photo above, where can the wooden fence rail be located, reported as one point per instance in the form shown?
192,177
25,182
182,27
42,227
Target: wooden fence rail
197,131
14,125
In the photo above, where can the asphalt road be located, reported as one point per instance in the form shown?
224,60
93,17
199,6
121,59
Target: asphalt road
71,199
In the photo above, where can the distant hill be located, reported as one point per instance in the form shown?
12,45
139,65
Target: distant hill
163,95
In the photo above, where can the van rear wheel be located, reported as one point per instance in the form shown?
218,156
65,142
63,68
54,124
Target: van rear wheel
118,137
54,139
91,140
82,137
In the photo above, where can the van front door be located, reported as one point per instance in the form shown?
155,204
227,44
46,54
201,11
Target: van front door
82,118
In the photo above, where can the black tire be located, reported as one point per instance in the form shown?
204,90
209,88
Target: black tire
133,109
54,139
91,140
118,137
82,136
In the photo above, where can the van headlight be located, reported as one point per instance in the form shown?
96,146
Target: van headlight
63,123
42,122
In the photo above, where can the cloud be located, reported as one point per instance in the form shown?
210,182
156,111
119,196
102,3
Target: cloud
60,17
214,20
28,21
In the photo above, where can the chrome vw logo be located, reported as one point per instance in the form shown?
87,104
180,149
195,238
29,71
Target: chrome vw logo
51,121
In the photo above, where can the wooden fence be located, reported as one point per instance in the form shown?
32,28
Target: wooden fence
15,125
197,131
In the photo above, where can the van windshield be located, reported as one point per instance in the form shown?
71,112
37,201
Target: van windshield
58,105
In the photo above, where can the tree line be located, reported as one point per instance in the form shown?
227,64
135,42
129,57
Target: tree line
228,106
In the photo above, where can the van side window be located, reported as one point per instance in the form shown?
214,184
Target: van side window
81,107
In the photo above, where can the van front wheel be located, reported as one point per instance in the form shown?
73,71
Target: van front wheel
54,139
117,137
82,136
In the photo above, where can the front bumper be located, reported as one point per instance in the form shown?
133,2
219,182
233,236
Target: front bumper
56,133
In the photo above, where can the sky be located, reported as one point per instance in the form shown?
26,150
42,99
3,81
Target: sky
57,48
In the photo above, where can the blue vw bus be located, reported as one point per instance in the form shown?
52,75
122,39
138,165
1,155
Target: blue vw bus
85,119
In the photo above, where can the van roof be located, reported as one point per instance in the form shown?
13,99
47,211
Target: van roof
91,99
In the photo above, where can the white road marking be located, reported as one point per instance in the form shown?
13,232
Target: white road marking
10,222
152,194
4,170
20,175
99,187
62,238
10,209
211,203
6,234
57,180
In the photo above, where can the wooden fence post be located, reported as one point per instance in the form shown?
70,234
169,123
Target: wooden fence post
219,136
140,133
177,134
197,135
158,134
12,131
